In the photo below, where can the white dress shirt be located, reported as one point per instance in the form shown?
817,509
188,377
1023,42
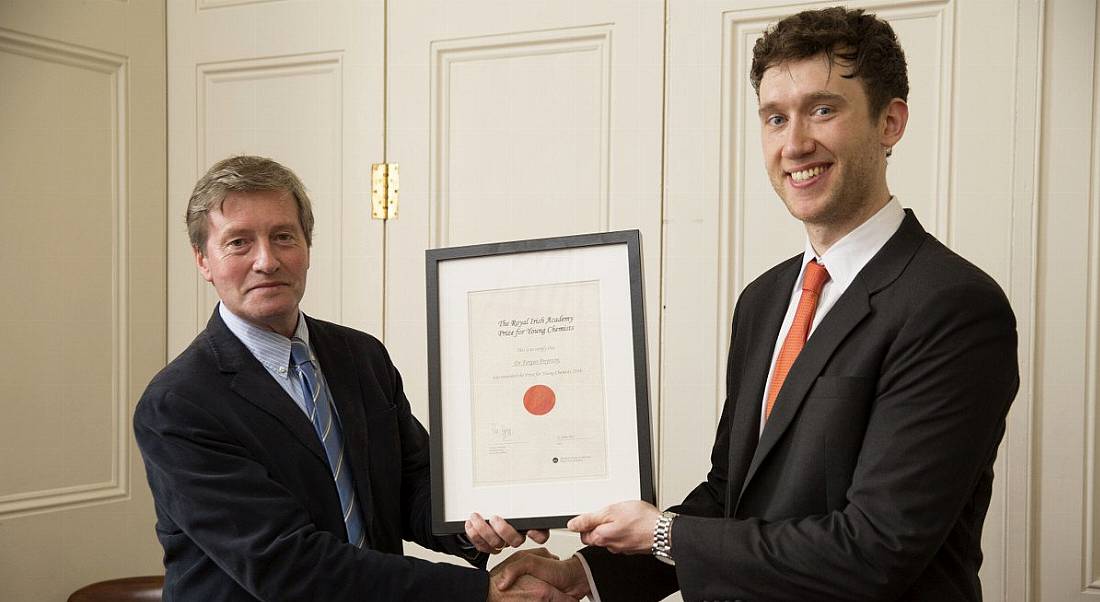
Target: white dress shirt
272,350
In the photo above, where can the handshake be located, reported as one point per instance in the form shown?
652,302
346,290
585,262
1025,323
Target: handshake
623,528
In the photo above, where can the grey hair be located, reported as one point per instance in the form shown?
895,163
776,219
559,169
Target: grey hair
244,173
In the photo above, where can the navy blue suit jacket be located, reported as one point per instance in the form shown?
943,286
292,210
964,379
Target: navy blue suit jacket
246,505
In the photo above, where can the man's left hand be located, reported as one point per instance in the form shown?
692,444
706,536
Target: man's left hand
623,528
493,535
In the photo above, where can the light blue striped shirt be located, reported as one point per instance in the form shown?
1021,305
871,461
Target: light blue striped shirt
273,351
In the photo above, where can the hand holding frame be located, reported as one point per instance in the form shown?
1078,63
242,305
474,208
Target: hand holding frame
495,534
622,528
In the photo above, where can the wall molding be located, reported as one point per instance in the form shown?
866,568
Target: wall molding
117,486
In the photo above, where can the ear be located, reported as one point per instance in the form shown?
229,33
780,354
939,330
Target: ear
202,262
892,123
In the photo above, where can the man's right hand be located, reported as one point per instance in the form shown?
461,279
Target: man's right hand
527,588
516,573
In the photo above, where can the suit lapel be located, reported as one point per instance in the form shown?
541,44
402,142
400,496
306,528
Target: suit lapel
764,323
338,367
252,382
851,309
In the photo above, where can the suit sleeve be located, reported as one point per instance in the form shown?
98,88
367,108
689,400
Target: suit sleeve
938,416
254,529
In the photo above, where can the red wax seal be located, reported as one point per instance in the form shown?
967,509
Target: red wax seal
539,399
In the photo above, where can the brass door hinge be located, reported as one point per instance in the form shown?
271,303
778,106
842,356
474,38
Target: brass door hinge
383,190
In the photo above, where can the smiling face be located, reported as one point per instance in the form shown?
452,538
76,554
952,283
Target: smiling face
825,154
256,256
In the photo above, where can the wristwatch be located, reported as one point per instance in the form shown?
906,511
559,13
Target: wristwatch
662,538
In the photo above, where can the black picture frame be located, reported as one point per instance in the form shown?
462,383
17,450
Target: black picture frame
586,494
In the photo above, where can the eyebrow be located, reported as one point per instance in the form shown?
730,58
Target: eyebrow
811,98
239,231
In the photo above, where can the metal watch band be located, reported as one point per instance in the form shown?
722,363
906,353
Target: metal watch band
662,537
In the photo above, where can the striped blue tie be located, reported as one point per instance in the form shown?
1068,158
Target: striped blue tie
319,406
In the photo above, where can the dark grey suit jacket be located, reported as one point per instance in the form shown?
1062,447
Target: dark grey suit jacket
246,505
873,475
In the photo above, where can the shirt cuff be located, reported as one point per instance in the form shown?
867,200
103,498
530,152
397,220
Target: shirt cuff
593,595
469,552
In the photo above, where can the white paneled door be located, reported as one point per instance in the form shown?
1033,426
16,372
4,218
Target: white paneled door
518,120
82,182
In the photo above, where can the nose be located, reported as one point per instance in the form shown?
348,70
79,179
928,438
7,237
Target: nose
265,260
800,141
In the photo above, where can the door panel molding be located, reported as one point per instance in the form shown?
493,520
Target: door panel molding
319,71
1092,345
447,55
201,5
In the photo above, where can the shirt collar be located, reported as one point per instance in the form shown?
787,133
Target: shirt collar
847,256
270,348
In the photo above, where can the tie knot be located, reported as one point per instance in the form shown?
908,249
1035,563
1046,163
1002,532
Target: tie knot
815,277
299,352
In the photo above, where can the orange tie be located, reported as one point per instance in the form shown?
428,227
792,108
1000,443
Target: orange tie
812,282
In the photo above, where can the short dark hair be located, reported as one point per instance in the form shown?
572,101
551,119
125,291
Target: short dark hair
862,43
243,173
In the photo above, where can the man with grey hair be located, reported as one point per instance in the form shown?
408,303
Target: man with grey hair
284,460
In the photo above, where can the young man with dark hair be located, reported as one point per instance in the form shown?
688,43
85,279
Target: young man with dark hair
868,377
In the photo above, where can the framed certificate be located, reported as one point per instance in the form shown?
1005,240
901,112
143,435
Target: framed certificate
538,386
